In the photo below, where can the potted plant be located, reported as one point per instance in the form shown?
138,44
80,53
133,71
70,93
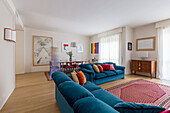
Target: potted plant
70,54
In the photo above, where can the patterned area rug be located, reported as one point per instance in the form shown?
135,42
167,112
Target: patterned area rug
142,91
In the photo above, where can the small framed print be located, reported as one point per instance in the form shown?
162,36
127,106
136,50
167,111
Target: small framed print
10,35
130,46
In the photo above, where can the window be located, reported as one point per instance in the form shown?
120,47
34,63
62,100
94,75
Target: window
110,49
164,53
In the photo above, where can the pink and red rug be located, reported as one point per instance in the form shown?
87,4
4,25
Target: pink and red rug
142,91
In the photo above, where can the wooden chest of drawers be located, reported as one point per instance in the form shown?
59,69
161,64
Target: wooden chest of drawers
143,66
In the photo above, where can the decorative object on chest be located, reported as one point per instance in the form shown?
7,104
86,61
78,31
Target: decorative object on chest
144,66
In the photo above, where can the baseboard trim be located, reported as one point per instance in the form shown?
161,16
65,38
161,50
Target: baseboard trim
5,98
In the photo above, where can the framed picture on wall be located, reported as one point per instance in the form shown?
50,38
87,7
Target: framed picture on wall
79,47
65,47
10,35
95,48
130,46
42,49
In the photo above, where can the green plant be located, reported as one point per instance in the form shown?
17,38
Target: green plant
69,53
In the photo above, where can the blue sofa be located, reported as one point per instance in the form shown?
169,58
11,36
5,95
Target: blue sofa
106,76
88,99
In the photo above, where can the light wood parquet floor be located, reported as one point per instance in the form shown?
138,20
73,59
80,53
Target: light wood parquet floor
34,94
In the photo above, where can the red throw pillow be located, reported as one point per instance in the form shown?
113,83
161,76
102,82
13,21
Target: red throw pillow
112,67
106,67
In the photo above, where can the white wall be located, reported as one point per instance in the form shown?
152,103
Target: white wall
19,65
58,38
7,55
142,32
128,37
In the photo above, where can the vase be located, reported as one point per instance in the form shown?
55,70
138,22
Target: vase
70,58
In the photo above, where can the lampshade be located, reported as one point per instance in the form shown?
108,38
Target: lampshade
73,44
143,54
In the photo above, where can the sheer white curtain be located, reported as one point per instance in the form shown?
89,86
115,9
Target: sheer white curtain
110,49
164,53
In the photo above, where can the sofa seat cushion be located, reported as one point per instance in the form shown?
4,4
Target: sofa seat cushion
109,73
73,92
118,72
60,77
91,86
92,105
127,107
106,97
100,75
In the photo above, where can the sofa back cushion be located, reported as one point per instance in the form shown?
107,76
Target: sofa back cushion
87,66
106,97
92,105
60,77
98,64
73,92
91,86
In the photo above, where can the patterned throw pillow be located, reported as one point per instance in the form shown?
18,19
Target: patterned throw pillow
96,69
100,68
81,77
74,77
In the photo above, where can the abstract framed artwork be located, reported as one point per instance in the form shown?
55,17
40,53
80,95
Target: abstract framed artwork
42,49
65,47
79,47
9,35
95,48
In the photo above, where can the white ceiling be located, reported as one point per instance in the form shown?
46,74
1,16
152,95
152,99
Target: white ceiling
89,17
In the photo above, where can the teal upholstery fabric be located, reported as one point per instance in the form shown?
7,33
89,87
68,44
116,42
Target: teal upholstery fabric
106,97
87,66
73,91
62,103
118,72
109,73
91,86
88,74
120,67
98,64
100,75
59,77
92,105
126,107
108,79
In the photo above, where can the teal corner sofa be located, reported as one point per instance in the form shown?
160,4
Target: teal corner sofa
74,98
105,76
90,98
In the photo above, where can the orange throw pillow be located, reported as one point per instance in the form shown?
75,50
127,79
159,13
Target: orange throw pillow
100,68
81,77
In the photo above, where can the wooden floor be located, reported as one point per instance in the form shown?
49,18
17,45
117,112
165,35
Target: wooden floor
34,94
